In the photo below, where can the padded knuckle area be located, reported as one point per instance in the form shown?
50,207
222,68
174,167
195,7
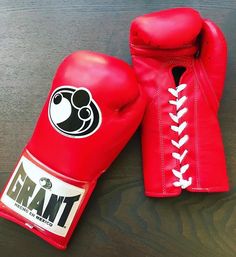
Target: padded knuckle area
166,29
103,75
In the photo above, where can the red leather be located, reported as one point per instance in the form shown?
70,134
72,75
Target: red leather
80,161
160,42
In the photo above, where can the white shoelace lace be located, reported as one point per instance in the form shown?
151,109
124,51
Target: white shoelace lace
179,128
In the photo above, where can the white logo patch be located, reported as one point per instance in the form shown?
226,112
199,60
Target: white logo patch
41,198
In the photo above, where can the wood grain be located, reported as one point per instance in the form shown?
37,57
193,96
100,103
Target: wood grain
119,220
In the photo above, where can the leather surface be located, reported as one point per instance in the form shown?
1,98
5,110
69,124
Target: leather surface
160,42
80,161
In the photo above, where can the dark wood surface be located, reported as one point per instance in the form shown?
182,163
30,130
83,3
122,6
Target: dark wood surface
119,220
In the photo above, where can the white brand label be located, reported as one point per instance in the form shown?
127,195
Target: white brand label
41,198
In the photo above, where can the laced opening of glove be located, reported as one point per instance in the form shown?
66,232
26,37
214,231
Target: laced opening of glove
179,128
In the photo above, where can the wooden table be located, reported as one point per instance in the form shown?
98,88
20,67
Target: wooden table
119,220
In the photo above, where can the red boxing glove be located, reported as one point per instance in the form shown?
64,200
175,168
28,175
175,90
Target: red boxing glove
180,61
92,110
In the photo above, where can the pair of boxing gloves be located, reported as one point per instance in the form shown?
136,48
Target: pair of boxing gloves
95,105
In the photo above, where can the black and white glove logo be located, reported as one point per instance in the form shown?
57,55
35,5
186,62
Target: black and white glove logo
45,183
73,112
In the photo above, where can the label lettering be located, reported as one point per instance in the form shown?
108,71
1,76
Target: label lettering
16,183
53,208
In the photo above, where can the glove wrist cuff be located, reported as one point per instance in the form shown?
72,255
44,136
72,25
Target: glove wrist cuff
44,201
